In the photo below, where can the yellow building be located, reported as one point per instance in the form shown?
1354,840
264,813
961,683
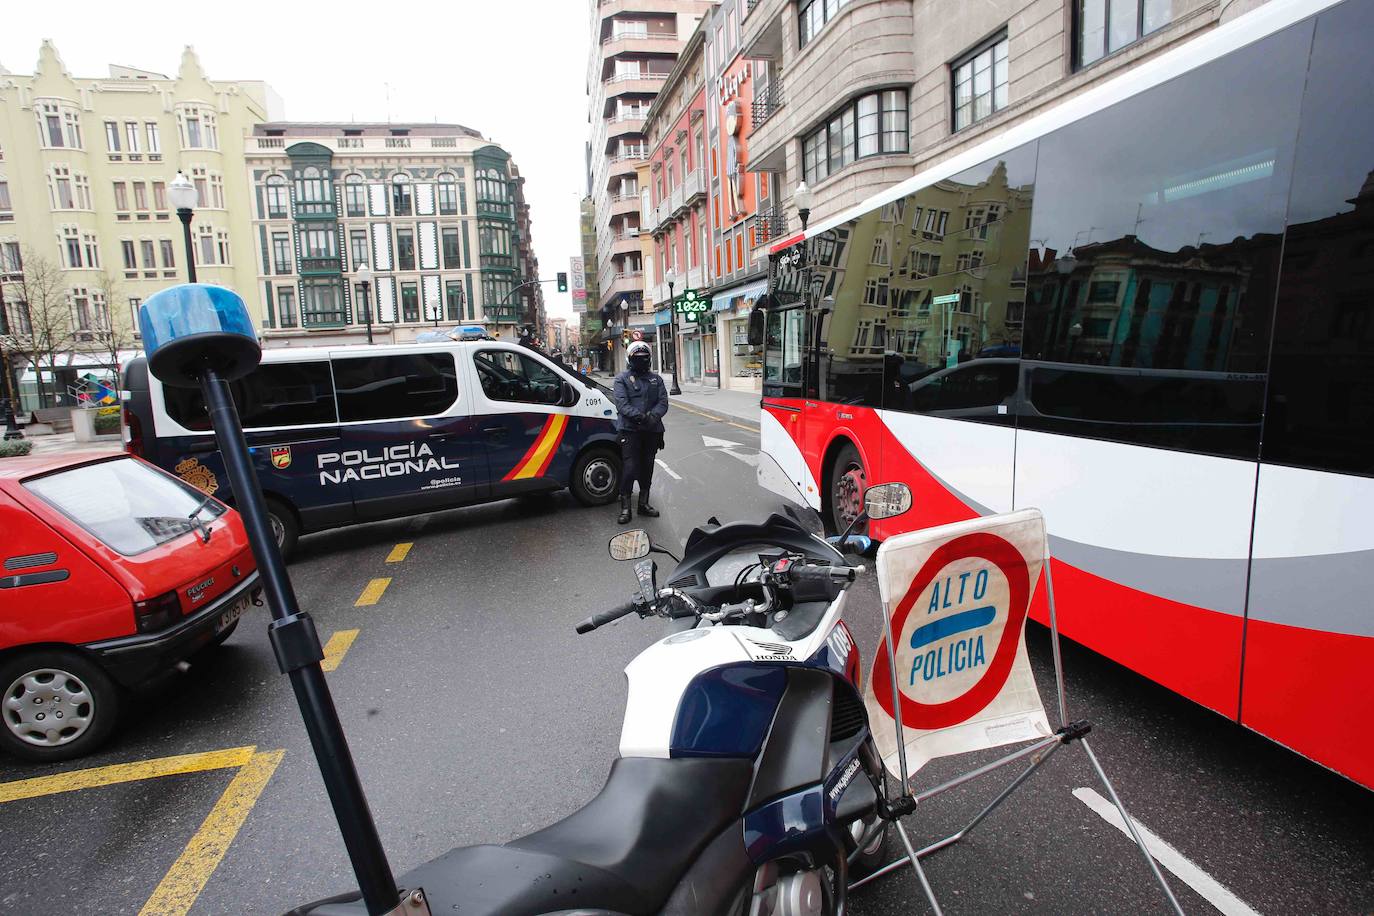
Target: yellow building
86,230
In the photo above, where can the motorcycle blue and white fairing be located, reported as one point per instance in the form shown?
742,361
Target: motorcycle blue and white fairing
747,781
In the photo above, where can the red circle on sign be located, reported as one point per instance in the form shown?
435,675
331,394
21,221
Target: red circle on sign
962,708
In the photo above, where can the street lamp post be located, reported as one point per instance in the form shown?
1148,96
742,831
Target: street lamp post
671,277
182,193
801,197
364,275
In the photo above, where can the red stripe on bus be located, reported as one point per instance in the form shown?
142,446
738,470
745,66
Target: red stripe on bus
1309,690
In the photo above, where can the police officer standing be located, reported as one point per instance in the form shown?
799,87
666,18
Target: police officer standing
642,400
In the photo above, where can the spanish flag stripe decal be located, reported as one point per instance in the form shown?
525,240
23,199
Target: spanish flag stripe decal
537,459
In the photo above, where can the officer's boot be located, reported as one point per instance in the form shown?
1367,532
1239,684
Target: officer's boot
644,507
624,518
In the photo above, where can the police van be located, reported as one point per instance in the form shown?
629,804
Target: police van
342,435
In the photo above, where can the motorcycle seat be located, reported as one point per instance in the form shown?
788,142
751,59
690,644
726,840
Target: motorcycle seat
622,853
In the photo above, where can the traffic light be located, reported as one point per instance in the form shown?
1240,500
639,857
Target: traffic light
562,283
625,337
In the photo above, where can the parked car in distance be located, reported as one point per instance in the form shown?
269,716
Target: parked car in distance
113,572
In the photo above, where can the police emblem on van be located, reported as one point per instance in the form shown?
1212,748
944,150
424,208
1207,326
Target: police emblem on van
281,457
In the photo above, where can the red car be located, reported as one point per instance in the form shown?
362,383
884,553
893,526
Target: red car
114,571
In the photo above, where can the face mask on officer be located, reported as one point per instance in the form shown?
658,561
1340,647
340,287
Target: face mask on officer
639,360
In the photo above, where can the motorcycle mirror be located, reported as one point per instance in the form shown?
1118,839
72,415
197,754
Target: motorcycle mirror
887,500
630,545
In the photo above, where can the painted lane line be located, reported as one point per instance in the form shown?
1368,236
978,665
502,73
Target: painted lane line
748,429
667,470
336,648
373,592
179,888
399,552
124,772
1209,888
713,442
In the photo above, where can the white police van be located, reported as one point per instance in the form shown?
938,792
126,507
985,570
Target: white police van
356,434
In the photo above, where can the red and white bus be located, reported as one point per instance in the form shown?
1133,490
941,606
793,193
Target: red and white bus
1148,311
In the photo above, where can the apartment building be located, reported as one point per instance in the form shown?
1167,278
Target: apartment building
435,211
673,211
634,47
862,93
84,168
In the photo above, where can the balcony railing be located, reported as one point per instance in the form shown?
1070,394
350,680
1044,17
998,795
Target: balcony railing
767,102
271,142
643,36
770,226
642,75
319,265
693,186
628,155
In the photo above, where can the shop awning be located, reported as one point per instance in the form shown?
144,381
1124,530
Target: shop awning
722,301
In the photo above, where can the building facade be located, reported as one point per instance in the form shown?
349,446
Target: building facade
673,208
634,47
435,211
863,93
86,230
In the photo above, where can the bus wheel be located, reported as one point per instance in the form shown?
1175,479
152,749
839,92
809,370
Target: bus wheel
595,477
285,528
846,487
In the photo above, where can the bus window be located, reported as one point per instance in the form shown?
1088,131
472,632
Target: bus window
1161,255
272,395
1321,387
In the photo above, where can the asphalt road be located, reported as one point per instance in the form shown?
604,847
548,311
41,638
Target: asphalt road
475,715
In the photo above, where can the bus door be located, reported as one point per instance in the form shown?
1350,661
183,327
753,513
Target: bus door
782,418
526,431
289,419
408,440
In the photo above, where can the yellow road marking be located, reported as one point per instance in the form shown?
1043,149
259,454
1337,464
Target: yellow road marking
399,552
184,881
336,647
373,592
717,419
124,772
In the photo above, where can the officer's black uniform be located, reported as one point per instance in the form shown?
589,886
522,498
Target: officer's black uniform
642,400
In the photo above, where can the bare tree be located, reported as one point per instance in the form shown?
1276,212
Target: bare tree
112,334
39,321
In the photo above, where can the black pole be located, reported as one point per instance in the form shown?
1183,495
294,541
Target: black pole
367,308
297,646
672,326
184,214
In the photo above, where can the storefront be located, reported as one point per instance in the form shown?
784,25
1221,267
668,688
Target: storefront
663,350
73,380
741,364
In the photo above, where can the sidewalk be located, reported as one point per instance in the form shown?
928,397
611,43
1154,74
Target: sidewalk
56,443
736,405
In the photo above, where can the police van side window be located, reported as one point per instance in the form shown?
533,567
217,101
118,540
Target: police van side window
272,395
510,376
395,387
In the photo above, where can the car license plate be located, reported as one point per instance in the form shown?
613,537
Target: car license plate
226,620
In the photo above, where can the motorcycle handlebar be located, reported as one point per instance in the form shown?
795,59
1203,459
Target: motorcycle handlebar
822,573
605,617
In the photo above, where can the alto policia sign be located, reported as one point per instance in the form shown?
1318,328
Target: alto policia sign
957,597
693,305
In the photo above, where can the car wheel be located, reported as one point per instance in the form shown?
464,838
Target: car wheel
596,478
846,486
57,705
285,528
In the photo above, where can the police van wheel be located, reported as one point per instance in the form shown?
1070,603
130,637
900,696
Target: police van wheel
284,526
596,478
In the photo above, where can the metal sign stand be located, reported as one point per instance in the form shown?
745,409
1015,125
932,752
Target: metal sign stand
1038,752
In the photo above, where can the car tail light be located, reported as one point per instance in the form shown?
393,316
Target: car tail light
133,432
157,613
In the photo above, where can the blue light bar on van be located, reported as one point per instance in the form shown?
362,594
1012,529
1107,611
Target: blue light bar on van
194,326
471,332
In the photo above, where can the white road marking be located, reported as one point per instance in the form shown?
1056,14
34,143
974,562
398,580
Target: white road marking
667,470
1208,887
713,442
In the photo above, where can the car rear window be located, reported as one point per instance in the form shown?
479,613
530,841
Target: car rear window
129,506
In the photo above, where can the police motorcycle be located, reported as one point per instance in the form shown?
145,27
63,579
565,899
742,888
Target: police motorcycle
747,781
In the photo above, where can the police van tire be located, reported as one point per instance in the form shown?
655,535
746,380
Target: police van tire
284,526
596,477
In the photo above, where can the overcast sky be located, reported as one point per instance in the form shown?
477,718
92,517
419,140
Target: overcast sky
513,70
